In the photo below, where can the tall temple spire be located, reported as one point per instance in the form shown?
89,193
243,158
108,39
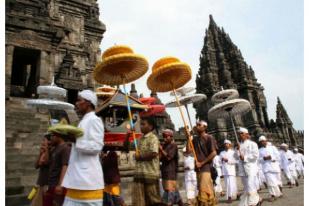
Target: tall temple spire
282,115
222,64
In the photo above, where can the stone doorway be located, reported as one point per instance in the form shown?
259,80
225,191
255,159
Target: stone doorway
72,96
25,72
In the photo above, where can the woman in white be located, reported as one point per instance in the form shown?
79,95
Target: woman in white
190,177
228,158
269,159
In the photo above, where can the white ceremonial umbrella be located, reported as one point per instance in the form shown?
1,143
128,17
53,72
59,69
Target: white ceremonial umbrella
224,95
51,91
228,108
185,100
49,104
183,91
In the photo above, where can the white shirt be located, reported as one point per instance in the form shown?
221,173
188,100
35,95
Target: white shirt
287,160
189,163
229,167
250,151
84,170
216,162
271,165
299,159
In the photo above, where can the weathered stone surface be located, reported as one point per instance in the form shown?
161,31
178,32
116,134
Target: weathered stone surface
222,65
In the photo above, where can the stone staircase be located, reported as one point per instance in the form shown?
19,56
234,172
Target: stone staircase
24,129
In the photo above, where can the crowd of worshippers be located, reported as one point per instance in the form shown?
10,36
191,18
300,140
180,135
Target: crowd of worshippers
82,172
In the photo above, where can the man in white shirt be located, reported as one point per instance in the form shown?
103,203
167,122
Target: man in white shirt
216,162
190,177
299,161
248,154
228,158
84,177
288,165
269,159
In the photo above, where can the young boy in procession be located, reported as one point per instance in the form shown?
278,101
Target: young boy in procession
269,158
248,153
58,163
43,165
111,173
205,148
228,158
146,190
169,159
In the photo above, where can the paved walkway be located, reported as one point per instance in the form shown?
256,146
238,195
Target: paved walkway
291,197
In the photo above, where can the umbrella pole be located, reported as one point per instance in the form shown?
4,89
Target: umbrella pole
186,106
234,128
130,117
185,125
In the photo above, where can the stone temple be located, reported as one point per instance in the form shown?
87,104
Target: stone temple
60,39
222,65
44,39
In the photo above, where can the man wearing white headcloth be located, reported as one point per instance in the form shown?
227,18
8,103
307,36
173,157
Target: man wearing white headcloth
288,165
269,159
84,177
299,161
228,158
248,154
205,148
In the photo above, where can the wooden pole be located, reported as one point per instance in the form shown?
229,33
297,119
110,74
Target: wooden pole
185,125
130,117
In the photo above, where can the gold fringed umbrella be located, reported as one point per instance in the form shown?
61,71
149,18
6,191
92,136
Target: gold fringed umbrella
169,74
120,65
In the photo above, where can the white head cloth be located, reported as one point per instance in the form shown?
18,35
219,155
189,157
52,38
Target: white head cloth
90,96
168,132
202,122
262,138
295,149
243,130
184,149
284,145
227,141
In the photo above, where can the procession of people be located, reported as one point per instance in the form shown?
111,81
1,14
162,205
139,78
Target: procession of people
76,169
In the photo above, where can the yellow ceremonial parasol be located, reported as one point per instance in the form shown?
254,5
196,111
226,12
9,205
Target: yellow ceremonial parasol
169,74
120,65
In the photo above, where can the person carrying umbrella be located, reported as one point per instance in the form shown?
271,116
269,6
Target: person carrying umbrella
84,177
169,159
205,148
147,169
248,154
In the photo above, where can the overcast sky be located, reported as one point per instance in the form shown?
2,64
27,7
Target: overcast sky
269,34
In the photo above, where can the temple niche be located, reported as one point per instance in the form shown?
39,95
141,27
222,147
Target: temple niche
223,66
